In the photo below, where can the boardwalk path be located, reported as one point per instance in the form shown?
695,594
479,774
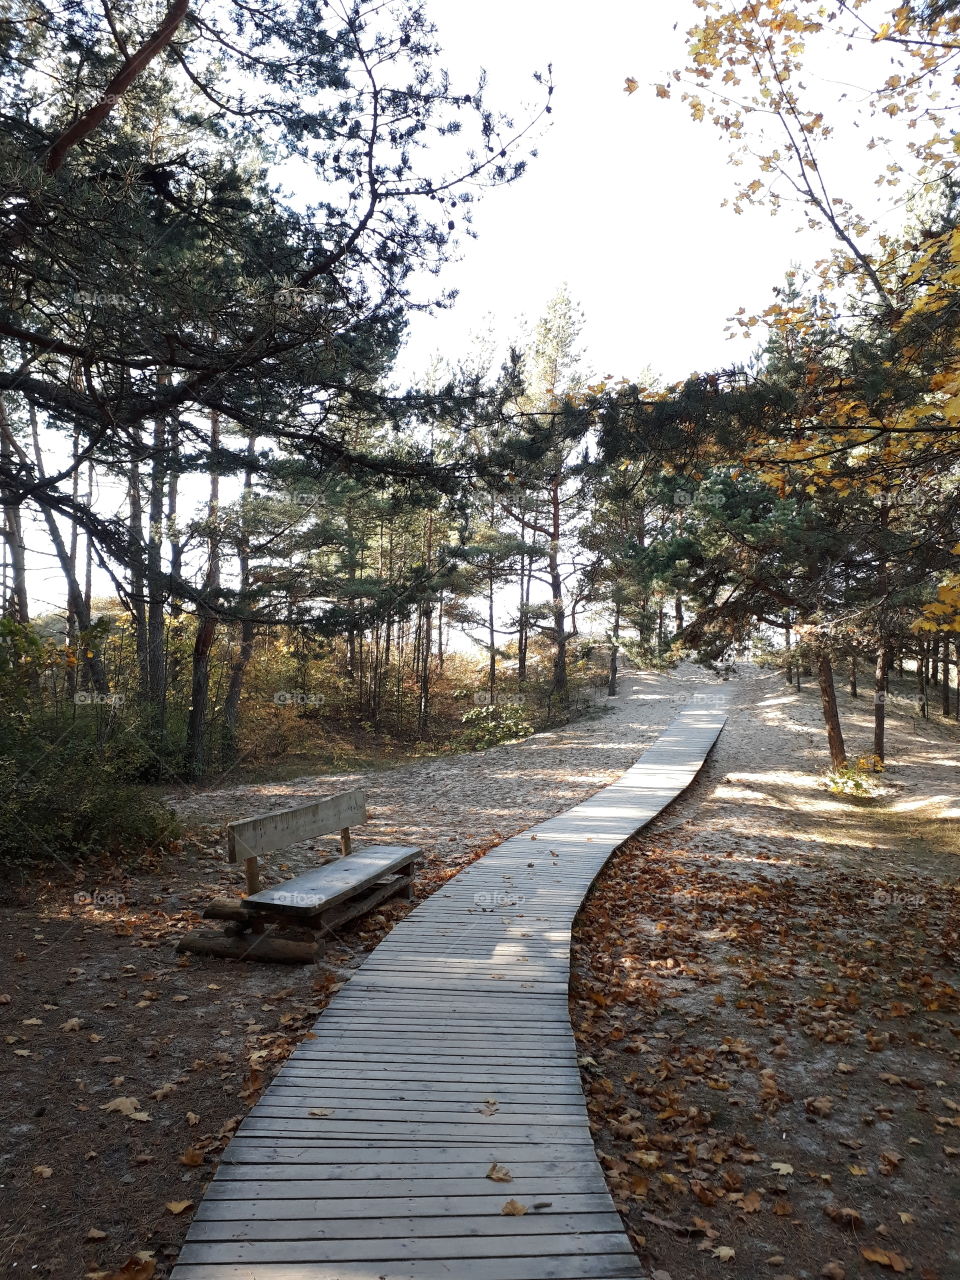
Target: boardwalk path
449,1051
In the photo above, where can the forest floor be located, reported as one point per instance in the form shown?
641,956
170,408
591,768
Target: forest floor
743,935
765,995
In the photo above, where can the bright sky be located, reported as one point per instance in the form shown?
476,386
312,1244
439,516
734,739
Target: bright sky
623,203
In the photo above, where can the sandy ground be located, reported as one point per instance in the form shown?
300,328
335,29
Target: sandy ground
454,806
765,991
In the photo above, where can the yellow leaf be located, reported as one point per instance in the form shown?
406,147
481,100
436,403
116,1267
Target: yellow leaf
178,1206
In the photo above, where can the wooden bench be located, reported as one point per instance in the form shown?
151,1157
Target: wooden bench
320,900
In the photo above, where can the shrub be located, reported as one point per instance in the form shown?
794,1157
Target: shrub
489,726
66,801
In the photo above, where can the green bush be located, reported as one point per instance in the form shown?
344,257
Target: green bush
489,726
64,801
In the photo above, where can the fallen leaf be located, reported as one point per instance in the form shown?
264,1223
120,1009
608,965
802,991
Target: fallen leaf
778,1166
513,1209
834,1271
724,1252
191,1157
885,1258
126,1107
94,1234
178,1206
499,1173
818,1106
42,1170
843,1216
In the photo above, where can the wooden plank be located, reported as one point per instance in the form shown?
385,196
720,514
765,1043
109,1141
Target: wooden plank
330,884
288,1159
407,1249
267,832
400,1166
306,1226
622,1266
588,1181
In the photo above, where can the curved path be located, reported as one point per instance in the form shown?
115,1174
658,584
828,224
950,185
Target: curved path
447,1058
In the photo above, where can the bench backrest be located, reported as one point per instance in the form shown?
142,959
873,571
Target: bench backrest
253,837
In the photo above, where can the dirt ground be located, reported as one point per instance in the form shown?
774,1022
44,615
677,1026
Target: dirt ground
765,994
126,1068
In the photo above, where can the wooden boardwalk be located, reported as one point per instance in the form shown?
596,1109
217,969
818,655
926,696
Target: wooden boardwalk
449,1052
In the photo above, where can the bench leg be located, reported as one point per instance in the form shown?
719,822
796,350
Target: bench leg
251,868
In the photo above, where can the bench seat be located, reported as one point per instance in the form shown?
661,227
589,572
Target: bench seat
316,891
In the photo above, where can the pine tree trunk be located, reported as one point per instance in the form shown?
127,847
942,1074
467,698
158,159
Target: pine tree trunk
229,747
922,680
156,615
18,601
879,701
195,752
853,676
614,650
560,686
138,590
831,716
788,644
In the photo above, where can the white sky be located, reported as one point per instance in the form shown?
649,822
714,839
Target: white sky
623,202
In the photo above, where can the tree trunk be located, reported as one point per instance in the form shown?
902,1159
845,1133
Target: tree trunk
831,716
614,650
491,634
195,751
853,676
156,616
138,590
879,701
922,679
231,703
18,602
560,685
788,643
